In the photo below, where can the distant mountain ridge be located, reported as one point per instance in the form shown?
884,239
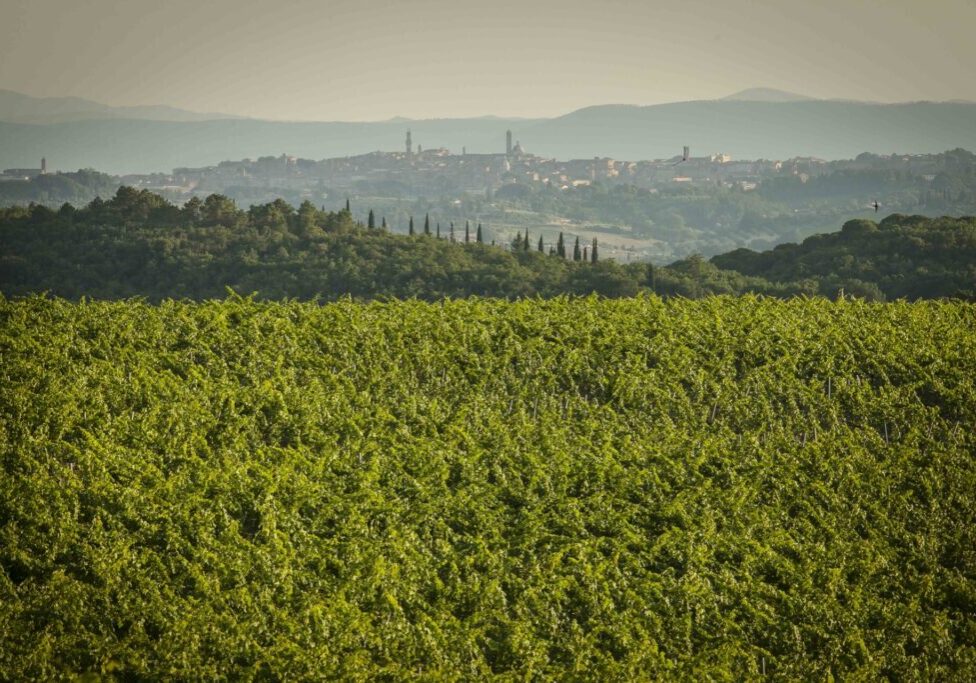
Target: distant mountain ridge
17,107
141,146
829,129
752,124
766,95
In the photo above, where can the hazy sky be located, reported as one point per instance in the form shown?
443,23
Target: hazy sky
374,59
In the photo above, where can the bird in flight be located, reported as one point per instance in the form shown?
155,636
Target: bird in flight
876,206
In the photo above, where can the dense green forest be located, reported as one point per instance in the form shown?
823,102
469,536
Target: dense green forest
584,489
902,256
138,244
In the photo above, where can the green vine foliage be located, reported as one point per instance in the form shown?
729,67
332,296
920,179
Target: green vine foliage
579,489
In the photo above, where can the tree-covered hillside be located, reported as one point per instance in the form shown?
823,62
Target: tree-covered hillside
138,244
574,489
902,256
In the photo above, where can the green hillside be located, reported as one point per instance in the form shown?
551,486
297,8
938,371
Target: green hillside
139,245
574,488
902,256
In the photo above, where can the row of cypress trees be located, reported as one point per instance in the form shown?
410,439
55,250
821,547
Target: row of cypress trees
437,230
587,253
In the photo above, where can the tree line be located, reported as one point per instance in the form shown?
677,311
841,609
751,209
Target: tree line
138,244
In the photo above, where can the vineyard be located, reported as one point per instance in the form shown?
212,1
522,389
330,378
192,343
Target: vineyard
596,489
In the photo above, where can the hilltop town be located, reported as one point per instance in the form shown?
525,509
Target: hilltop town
434,172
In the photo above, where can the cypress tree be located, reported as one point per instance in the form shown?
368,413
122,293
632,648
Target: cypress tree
411,225
452,231
552,250
542,248
576,251
427,224
467,231
371,221
585,250
560,247
525,242
593,252
383,224
348,210
480,241
438,229
517,242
